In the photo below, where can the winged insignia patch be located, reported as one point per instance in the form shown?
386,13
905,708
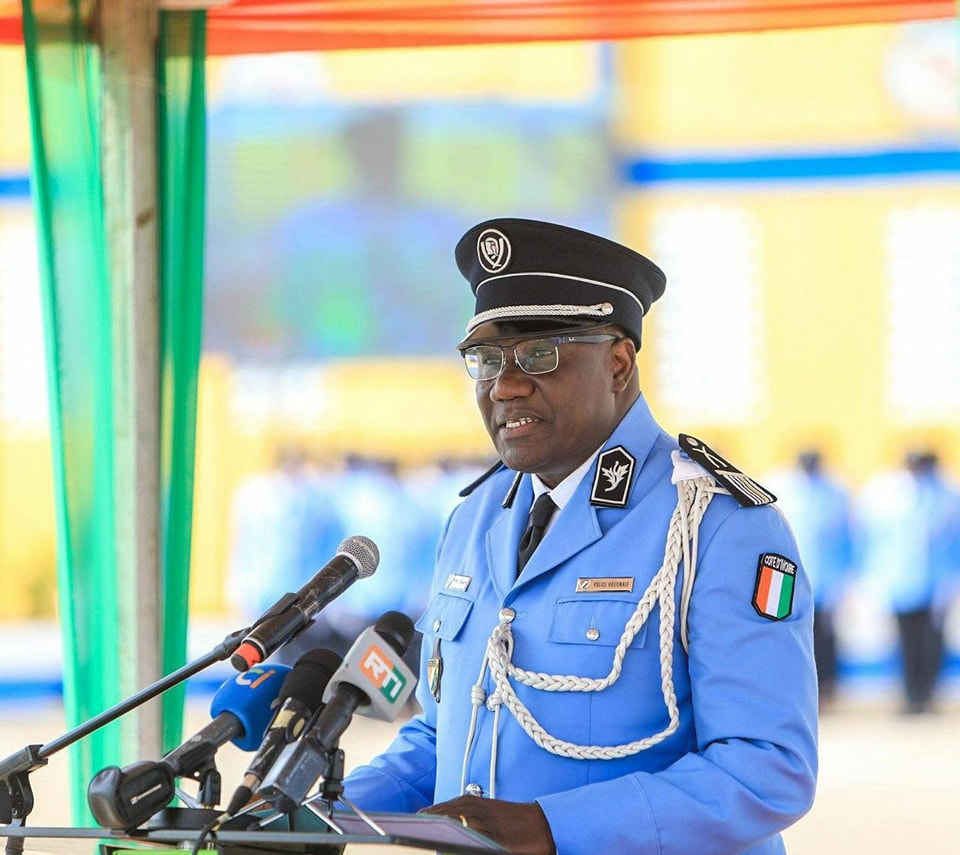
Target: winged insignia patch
612,478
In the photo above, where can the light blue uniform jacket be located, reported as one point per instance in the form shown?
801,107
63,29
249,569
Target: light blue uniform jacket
741,766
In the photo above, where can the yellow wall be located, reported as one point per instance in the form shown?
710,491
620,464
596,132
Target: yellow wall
27,547
820,263
803,89
27,544
821,251
14,114
553,73
822,270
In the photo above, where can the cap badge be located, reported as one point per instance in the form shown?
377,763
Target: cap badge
611,481
493,250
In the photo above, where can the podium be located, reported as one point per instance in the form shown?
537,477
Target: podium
418,831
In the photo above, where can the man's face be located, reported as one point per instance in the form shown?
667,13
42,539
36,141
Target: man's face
549,424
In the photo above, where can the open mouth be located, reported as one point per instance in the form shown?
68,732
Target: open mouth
516,423
518,427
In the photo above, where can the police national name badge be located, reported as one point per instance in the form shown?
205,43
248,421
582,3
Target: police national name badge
773,593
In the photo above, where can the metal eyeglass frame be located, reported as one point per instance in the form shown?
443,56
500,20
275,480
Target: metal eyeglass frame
555,341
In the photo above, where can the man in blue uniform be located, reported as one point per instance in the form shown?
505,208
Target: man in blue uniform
910,529
625,666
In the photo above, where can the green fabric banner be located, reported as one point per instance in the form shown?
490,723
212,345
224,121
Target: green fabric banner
64,72
63,82
181,182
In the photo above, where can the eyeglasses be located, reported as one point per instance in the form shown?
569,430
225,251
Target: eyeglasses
534,356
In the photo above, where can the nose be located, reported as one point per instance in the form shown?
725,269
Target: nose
513,381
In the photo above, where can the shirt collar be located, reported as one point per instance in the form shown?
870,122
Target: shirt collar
562,493
638,429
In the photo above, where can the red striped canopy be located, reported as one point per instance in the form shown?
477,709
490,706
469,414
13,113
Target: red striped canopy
261,26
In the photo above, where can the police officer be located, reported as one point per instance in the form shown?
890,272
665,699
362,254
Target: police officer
820,512
625,665
910,529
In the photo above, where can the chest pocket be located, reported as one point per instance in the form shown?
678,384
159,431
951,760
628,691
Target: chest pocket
445,616
587,619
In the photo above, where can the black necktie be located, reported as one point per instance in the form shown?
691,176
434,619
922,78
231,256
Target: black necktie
540,514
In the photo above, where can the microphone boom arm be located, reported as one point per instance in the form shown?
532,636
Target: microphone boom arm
294,610
16,795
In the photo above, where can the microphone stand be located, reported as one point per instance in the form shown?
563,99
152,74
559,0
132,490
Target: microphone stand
331,788
16,794
331,792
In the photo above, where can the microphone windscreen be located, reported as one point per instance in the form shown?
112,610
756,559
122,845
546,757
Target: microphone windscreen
397,629
252,698
374,666
363,552
309,677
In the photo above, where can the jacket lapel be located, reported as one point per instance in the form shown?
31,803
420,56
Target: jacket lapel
503,539
578,525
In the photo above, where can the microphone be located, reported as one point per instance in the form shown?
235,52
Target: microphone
374,679
240,709
369,678
357,557
302,696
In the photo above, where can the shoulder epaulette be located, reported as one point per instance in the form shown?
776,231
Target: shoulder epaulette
742,487
493,470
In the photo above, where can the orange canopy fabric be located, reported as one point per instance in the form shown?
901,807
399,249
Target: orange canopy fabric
262,26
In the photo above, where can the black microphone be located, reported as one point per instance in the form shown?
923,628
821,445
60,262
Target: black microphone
368,678
372,678
302,696
241,710
356,558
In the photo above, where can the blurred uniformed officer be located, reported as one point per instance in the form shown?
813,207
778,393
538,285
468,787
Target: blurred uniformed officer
910,529
819,509
627,665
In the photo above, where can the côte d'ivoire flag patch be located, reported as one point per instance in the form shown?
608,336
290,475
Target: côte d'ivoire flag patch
773,594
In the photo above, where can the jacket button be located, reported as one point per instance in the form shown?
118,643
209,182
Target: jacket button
507,614
593,634
436,625
473,790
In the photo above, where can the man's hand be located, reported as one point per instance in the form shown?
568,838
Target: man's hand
521,828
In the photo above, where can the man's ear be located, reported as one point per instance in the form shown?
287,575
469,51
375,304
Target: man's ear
623,353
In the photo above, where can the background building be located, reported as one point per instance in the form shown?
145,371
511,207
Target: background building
800,188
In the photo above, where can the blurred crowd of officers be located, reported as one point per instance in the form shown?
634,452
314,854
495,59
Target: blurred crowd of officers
896,539
287,523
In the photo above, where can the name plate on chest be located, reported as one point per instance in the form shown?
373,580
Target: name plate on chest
456,582
604,584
